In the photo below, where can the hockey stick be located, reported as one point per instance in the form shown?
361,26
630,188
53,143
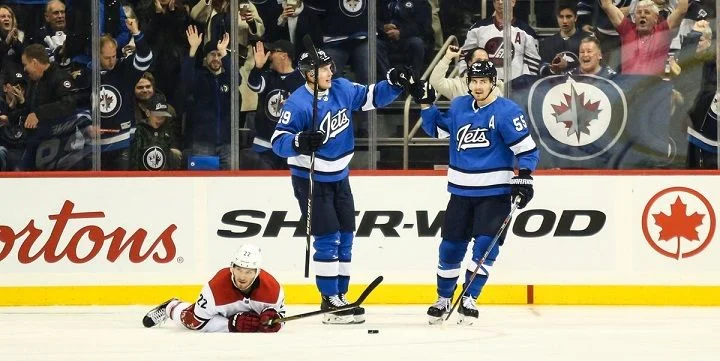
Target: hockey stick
349,306
504,224
310,47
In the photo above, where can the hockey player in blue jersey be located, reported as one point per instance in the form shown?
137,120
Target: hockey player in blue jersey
333,142
488,137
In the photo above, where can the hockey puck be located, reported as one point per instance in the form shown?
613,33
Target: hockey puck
373,331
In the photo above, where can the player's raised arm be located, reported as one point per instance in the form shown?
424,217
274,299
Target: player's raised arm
434,123
383,92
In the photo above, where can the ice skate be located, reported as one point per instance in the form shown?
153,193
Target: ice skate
358,312
157,315
438,310
467,312
340,317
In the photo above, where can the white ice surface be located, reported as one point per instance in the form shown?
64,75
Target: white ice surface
519,333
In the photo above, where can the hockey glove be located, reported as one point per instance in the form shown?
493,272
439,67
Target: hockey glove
401,77
266,317
423,93
522,186
245,322
308,141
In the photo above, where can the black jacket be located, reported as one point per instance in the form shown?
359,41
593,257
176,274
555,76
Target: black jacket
50,98
208,119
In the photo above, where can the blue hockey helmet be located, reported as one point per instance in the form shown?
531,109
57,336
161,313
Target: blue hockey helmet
306,63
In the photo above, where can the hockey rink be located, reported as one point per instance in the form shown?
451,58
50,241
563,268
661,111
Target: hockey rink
519,333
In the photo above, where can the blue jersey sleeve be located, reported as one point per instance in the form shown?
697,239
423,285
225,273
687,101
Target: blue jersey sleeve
435,123
515,133
373,96
293,119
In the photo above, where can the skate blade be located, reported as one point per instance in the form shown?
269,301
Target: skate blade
466,320
358,319
330,319
436,320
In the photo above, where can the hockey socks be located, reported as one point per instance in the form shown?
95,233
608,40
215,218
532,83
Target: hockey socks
345,258
326,263
449,265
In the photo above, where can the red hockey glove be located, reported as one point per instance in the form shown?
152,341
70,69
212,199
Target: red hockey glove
266,317
245,322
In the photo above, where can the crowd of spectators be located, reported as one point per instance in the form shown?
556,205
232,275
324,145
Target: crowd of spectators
166,85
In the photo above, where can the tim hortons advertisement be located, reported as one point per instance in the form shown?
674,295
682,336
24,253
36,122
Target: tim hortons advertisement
577,230
90,230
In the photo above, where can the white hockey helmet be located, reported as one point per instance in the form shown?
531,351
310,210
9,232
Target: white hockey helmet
247,256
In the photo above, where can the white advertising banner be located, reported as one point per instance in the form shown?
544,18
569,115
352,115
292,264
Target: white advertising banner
578,230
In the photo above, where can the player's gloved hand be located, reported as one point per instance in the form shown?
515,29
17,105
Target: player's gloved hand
245,322
308,141
266,317
401,77
522,186
423,92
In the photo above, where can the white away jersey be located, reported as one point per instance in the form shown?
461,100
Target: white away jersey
220,297
488,34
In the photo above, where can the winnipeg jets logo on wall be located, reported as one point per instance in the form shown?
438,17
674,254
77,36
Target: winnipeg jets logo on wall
352,8
110,101
471,138
335,124
154,158
275,101
577,118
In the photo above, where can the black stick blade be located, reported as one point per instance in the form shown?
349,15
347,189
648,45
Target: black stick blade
310,47
349,306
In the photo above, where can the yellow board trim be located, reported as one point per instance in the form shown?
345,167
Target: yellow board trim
386,294
627,295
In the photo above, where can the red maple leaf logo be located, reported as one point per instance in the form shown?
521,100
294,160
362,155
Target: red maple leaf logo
678,224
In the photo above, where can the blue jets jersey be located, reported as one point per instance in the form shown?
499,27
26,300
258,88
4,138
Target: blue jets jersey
484,143
334,117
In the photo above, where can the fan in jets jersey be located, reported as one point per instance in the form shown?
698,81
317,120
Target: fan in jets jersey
273,86
117,88
488,136
488,34
329,141
240,298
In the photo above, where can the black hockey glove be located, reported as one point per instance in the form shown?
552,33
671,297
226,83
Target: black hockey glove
401,77
308,141
522,186
423,92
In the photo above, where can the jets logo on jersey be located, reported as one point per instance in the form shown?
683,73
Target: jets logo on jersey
275,101
468,138
352,8
110,101
571,58
154,158
577,118
335,124
496,51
